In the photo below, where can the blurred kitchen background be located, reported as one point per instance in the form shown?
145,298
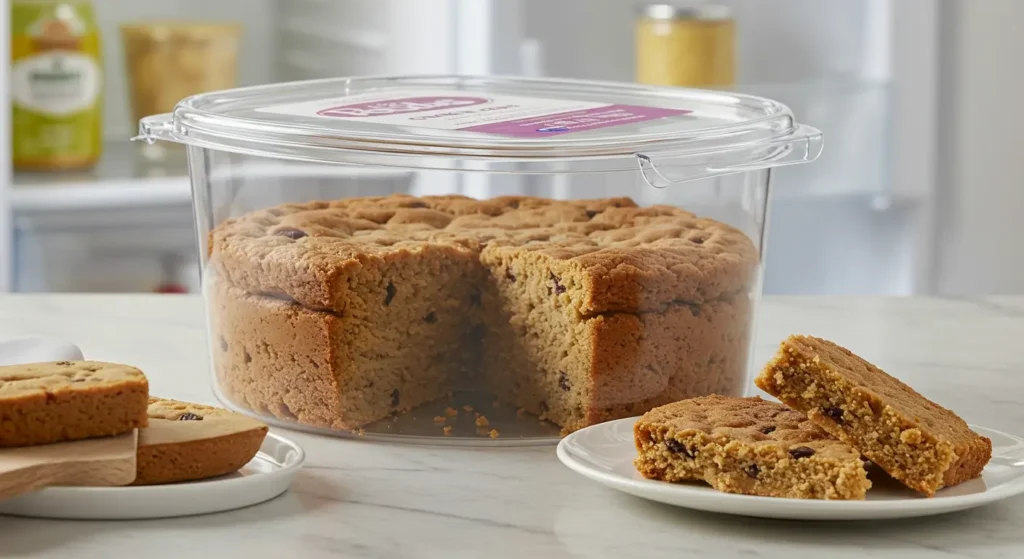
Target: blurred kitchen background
917,191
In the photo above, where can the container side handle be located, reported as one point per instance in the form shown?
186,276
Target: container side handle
156,127
802,145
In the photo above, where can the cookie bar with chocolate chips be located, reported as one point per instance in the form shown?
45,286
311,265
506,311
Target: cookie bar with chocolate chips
749,446
915,440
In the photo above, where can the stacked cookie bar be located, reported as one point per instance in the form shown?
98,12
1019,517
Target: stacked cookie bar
45,403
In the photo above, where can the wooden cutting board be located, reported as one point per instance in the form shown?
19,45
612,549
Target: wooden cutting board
92,462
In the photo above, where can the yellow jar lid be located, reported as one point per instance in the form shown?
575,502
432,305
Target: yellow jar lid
669,12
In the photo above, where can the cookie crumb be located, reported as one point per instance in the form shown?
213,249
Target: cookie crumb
468,408
493,434
912,436
447,430
481,421
440,419
361,432
451,412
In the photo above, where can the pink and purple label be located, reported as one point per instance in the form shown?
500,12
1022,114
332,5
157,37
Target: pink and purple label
505,115
575,121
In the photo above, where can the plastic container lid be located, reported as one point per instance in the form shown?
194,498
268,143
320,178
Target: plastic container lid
495,124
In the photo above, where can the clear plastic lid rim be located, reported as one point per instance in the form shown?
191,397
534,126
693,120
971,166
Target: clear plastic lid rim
769,141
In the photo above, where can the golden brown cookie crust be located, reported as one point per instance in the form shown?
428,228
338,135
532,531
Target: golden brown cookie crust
915,440
43,403
610,254
749,446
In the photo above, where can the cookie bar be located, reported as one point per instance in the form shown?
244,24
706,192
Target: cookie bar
43,403
749,446
191,441
920,443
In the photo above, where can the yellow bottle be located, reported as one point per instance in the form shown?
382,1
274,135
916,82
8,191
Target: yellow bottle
56,85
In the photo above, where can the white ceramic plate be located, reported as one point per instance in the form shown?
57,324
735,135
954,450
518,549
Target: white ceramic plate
605,452
266,476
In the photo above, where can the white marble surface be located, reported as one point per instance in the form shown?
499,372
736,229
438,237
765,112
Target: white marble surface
360,499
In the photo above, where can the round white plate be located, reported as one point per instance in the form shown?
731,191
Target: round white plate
605,452
266,476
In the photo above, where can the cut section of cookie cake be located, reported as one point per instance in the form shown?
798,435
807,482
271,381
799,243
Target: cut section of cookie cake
749,446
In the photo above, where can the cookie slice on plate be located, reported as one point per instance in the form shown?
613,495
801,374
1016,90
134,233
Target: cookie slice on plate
749,446
42,403
187,442
920,443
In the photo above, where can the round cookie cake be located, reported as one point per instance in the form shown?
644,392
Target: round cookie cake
338,314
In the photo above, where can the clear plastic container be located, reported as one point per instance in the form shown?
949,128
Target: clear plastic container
482,260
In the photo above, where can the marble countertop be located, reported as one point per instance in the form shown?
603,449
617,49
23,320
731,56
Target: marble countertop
362,499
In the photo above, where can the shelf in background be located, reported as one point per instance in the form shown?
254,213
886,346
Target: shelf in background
122,179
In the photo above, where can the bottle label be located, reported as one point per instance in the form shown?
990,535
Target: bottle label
55,83
505,115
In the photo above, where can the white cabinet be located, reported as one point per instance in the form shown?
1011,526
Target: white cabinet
106,250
